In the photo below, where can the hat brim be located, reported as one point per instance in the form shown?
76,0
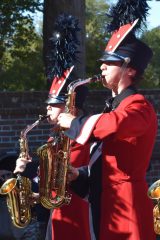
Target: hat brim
111,57
55,100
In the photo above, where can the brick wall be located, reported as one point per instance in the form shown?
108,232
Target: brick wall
17,110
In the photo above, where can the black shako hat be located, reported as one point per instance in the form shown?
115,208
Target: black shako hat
64,42
123,44
55,98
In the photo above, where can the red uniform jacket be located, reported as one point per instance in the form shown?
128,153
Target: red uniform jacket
72,221
127,134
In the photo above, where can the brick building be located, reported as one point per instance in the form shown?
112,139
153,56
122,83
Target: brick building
19,109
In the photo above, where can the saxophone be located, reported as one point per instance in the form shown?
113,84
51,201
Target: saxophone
154,193
55,156
18,190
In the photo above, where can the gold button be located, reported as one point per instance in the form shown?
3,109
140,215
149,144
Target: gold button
118,35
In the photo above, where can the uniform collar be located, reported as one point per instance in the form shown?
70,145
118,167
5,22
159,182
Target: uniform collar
113,102
125,93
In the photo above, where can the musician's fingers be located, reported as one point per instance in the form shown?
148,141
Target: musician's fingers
21,164
72,174
19,169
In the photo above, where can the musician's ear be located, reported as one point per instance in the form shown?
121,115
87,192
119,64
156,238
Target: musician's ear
131,72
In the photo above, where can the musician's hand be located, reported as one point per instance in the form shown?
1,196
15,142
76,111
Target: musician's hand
65,119
21,163
72,174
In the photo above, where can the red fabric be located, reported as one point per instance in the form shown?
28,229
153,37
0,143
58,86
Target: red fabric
58,82
128,135
72,221
118,36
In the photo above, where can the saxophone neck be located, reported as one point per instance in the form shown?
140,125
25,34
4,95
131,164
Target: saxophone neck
73,85
31,126
70,104
24,150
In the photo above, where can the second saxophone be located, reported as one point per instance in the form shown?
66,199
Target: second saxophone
18,189
55,158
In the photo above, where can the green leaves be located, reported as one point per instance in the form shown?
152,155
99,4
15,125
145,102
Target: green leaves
96,35
152,74
13,16
21,66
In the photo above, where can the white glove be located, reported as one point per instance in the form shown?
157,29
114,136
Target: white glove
21,163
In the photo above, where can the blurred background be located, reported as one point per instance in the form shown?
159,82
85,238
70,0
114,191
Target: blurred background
25,29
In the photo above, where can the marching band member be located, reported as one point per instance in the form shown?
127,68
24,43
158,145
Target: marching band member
125,132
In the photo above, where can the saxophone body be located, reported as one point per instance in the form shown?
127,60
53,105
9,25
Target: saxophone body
53,170
18,189
18,192
154,193
46,154
55,158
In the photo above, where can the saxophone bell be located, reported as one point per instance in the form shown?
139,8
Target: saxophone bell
154,190
18,192
7,186
154,193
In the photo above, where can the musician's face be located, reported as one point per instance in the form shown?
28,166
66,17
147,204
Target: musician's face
112,74
116,77
53,111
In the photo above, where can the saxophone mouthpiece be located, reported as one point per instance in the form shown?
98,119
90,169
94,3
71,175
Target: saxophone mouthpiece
43,117
96,78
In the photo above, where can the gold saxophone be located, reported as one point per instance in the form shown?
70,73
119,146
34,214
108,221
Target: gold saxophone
18,190
154,193
55,156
